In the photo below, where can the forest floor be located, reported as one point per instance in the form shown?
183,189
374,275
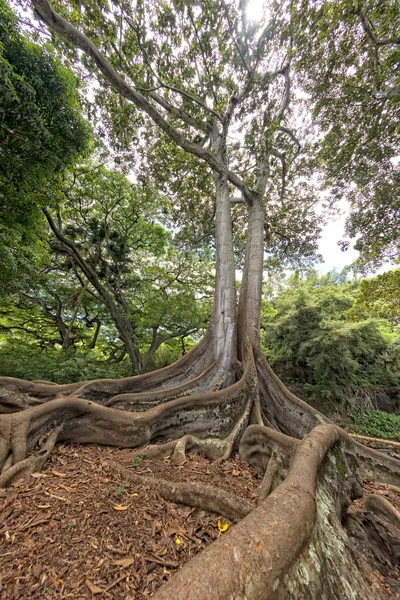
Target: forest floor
76,531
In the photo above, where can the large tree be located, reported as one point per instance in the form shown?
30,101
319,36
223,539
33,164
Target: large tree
41,132
202,73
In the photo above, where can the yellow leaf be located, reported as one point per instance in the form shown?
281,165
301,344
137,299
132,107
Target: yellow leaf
223,525
178,540
119,507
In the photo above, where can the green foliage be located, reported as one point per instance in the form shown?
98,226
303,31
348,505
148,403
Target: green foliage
161,292
120,490
137,460
347,56
222,59
380,295
27,361
374,423
312,339
41,132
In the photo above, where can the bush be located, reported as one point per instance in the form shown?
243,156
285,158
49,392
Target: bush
374,423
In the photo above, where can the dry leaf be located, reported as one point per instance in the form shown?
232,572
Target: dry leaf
36,570
59,474
38,475
223,525
93,588
44,505
124,562
118,507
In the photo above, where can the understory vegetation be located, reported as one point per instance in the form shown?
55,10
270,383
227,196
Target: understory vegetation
325,337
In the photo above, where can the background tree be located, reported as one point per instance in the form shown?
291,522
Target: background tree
380,295
113,246
41,132
348,55
314,340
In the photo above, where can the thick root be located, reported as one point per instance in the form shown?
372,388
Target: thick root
197,495
18,394
33,463
277,551
221,415
383,508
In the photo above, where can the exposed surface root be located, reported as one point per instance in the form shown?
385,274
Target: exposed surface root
18,394
221,415
258,442
213,448
197,495
33,463
383,508
273,551
272,472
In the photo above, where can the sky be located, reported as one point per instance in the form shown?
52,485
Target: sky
332,233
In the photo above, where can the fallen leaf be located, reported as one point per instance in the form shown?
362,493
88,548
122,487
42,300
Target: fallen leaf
38,475
223,525
93,588
118,507
44,505
59,474
36,570
178,540
124,562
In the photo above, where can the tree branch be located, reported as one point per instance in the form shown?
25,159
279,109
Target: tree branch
369,31
44,11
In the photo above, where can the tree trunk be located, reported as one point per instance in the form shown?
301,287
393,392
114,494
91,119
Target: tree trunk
251,289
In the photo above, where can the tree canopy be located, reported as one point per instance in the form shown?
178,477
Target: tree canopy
348,57
41,132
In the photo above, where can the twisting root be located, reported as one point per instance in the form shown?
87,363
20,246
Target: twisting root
18,394
382,508
198,495
271,473
258,442
215,449
33,463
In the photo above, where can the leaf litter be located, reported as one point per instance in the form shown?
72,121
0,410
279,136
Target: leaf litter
74,531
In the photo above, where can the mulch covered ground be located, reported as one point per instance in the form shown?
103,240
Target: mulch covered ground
76,531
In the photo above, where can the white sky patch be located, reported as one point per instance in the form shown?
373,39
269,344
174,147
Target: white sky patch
332,233
255,11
